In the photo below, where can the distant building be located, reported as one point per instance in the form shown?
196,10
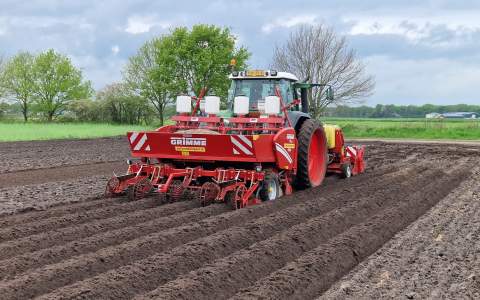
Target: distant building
460,115
434,115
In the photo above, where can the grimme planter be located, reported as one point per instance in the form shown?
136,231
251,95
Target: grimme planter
265,145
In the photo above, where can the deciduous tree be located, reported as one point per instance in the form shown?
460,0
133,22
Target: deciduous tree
318,54
151,74
57,82
204,55
120,105
184,61
16,80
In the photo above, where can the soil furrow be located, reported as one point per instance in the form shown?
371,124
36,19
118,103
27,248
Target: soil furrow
163,267
226,276
433,258
425,250
54,153
54,276
63,242
26,229
61,173
21,263
63,210
48,239
40,197
329,261
92,203
76,232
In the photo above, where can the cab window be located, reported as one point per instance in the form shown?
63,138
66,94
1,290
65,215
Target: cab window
257,89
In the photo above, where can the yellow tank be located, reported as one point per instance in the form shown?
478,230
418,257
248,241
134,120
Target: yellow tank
330,134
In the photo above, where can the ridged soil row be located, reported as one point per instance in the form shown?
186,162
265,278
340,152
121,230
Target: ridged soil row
242,228
316,270
378,162
61,235
57,174
224,277
77,213
36,226
50,277
91,203
129,231
72,233
64,235
456,220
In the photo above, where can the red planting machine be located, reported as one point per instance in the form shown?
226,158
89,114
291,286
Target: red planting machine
262,146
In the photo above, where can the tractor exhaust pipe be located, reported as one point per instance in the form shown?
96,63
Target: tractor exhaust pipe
304,99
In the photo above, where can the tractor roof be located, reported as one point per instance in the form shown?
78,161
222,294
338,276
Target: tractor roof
262,74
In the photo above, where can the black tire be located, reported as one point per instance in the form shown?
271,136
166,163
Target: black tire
271,181
308,128
346,170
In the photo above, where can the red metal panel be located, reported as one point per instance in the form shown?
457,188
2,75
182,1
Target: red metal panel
339,141
285,147
211,147
196,119
259,120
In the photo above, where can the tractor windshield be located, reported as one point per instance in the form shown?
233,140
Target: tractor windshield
257,89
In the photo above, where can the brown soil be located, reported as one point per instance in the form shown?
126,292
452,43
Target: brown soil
299,246
437,257
38,176
17,156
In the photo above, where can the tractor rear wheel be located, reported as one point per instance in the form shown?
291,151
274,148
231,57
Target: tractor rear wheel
312,155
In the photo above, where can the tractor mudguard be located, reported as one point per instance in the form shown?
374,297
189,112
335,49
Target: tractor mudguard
285,147
297,118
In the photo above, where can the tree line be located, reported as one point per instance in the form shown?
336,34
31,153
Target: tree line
48,86
47,80
395,111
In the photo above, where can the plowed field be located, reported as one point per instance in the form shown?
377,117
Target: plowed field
59,239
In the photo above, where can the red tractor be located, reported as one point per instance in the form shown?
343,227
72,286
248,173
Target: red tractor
263,146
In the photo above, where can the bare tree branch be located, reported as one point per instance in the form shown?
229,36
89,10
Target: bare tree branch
317,53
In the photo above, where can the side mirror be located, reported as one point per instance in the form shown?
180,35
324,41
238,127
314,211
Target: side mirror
329,93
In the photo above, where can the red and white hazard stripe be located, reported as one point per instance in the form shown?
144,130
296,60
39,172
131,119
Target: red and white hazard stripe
351,151
283,152
139,141
241,145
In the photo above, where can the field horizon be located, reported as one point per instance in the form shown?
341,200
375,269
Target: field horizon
396,128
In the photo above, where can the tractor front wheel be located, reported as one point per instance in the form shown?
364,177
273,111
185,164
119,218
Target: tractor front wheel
312,155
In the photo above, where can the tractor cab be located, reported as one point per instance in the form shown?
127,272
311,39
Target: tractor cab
257,85
250,91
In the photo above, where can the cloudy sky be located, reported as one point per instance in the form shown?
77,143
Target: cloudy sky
418,53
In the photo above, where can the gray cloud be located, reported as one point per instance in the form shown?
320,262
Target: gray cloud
423,52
